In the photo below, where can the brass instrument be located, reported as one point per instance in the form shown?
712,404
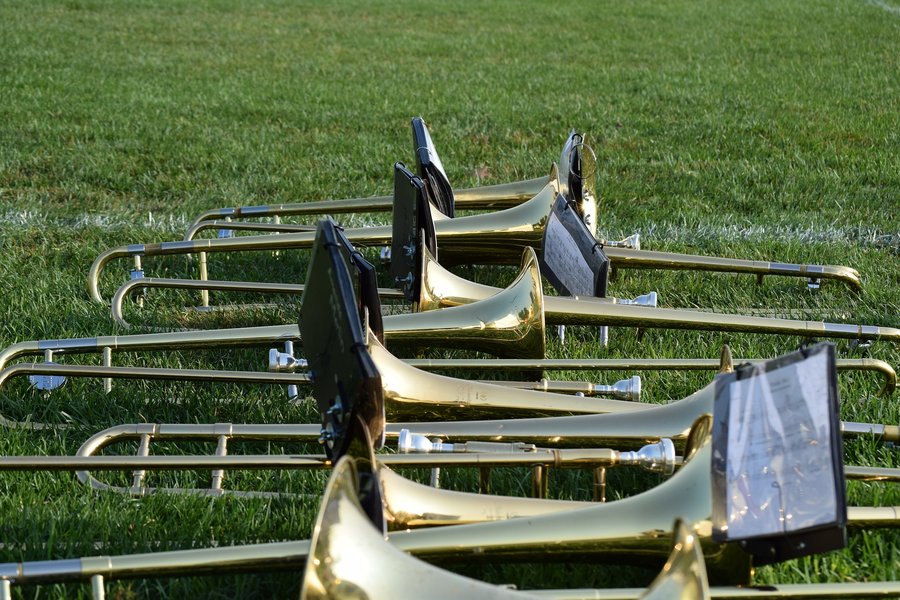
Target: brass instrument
418,394
510,323
341,495
486,197
598,531
494,197
658,457
683,577
344,539
500,235
402,386
621,364
442,289
494,237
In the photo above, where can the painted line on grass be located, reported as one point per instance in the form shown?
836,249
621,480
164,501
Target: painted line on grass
894,10
671,231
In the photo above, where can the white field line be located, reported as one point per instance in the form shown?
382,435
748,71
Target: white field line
682,233
31,218
175,225
894,10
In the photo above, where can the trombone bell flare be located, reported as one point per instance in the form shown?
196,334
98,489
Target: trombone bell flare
509,322
349,558
441,288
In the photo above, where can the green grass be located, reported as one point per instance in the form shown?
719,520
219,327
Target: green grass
764,130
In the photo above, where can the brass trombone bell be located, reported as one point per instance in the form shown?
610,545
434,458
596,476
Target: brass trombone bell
683,577
344,546
344,543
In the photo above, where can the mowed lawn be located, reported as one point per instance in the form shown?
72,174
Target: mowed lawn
763,130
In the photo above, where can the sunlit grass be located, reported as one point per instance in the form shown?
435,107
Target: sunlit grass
761,130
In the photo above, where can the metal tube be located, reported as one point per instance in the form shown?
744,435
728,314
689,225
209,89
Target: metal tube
98,588
500,196
636,364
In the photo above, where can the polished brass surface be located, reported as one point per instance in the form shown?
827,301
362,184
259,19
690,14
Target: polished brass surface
872,473
511,323
411,393
683,577
87,458
404,386
688,492
627,258
250,557
441,288
495,238
288,379
348,557
635,364
638,529
488,197
623,430
133,285
795,591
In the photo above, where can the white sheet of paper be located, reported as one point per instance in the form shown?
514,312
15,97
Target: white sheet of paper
779,475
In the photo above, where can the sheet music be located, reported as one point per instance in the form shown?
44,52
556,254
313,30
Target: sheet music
562,254
779,473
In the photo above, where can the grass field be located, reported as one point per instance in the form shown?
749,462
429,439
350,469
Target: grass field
764,130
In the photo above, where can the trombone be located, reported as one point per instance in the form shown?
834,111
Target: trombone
428,167
344,534
415,451
524,324
683,563
621,522
495,238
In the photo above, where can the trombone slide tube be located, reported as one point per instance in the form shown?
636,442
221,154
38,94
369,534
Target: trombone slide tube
577,312
628,258
129,287
635,364
566,458
251,557
499,196
791,591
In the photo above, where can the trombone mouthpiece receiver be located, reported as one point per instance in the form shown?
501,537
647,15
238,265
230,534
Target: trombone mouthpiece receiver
282,362
657,458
